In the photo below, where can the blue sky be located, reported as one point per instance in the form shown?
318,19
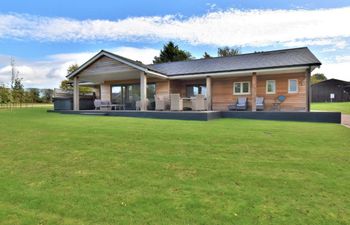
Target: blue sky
46,36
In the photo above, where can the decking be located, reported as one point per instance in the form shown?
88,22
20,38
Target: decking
328,117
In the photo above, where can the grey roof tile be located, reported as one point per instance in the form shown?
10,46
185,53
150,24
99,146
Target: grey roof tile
259,60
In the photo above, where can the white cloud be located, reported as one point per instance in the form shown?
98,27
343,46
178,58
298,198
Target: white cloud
337,43
337,69
230,27
49,73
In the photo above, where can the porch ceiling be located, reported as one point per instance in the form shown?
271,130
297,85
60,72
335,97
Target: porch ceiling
99,78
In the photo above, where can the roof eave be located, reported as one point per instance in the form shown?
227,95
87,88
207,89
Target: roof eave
242,70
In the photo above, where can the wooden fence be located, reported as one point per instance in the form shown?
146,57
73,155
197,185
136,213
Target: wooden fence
23,105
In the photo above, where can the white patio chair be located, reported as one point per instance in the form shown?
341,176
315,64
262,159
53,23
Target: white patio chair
160,103
176,103
97,104
198,103
139,104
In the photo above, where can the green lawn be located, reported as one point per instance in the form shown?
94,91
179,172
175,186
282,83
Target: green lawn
69,169
343,107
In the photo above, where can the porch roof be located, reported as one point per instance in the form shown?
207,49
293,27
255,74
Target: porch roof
286,58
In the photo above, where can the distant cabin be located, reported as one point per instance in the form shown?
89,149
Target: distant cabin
331,90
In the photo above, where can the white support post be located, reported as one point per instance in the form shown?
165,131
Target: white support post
76,94
254,82
209,98
143,91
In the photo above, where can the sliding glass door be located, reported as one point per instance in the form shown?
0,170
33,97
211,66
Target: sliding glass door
128,94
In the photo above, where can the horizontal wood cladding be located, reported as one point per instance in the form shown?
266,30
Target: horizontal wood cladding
105,65
222,92
163,87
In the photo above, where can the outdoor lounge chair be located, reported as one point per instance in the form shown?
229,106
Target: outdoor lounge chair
276,106
159,102
198,103
260,103
97,104
232,107
242,103
139,104
176,103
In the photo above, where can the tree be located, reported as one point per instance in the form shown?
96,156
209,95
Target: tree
172,53
72,68
66,85
14,72
32,95
5,94
206,56
18,91
318,77
227,51
47,95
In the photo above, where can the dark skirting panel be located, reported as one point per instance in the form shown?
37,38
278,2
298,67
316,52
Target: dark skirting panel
186,115
328,117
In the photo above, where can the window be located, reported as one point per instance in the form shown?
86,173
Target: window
128,94
241,88
195,89
293,86
271,87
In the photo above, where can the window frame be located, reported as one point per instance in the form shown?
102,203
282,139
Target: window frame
297,86
241,88
267,87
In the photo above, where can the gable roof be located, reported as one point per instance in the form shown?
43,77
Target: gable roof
134,64
295,57
332,80
251,61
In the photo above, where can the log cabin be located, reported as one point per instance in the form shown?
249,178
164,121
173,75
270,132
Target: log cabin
332,90
222,80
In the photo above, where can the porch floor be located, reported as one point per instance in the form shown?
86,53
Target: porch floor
329,117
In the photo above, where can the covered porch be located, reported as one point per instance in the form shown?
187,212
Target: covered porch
122,85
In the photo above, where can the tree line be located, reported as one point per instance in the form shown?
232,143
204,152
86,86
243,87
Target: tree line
172,53
17,94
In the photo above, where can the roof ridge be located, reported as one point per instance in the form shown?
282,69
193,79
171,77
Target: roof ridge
243,54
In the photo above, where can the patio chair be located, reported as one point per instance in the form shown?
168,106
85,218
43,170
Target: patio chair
198,103
276,106
176,103
139,104
260,103
97,104
242,103
159,102
232,107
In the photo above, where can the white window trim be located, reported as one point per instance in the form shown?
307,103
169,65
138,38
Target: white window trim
293,92
241,84
267,89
